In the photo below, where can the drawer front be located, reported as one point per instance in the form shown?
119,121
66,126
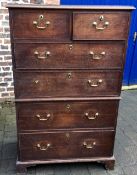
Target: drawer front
62,145
100,25
61,56
67,84
50,25
61,115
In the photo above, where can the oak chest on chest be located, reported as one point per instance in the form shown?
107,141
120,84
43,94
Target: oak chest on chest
68,65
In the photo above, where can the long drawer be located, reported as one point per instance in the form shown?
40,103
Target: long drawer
62,115
69,56
62,145
67,84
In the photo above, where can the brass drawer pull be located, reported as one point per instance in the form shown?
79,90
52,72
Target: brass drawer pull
91,117
48,115
89,145
43,147
39,21
93,83
46,54
105,25
97,56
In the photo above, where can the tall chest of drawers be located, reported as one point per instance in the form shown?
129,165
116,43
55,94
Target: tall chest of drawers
68,65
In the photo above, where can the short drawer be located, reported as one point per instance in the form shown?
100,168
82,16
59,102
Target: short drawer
43,24
61,115
69,144
74,55
67,84
100,25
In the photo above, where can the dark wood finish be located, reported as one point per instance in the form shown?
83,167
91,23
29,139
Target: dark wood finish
22,165
69,56
58,84
83,28
58,29
67,99
61,115
69,144
21,168
109,165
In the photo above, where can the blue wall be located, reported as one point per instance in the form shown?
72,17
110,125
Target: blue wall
131,65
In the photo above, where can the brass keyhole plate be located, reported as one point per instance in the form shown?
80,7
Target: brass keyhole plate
67,135
69,75
101,18
41,16
68,106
